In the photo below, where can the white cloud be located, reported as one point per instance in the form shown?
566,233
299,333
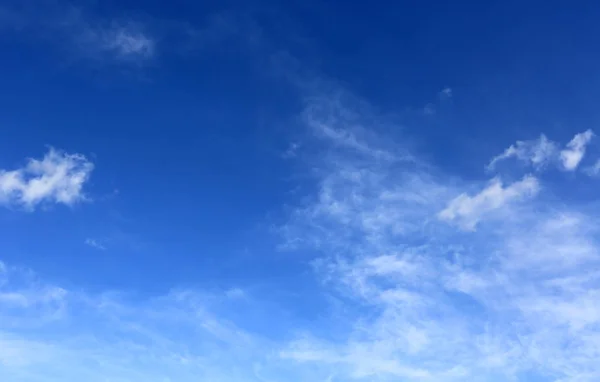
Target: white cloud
445,93
128,43
235,293
418,300
573,154
541,152
363,360
412,298
56,178
292,150
429,109
95,244
16,352
467,210
85,34
181,336
330,118
125,41
557,241
538,153
593,170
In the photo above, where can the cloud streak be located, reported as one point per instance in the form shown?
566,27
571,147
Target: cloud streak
81,32
469,210
538,153
541,152
121,41
94,244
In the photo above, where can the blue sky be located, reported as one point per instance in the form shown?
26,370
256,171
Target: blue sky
299,191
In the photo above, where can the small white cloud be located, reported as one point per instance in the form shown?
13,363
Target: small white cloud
445,93
57,178
538,153
593,170
467,210
122,41
127,42
235,293
95,244
573,154
429,109
292,150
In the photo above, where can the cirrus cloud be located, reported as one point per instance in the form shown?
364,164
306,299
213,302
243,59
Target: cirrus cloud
421,300
541,152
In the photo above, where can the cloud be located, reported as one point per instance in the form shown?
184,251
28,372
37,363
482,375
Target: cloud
469,210
235,293
417,299
86,32
557,241
95,244
541,152
593,170
360,359
429,109
445,93
292,150
537,153
56,178
81,31
48,333
572,155
410,297
330,119
121,41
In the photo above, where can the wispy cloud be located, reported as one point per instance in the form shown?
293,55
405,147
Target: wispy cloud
48,333
593,170
445,93
83,32
468,210
124,42
329,118
235,293
426,301
541,152
95,244
80,31
429,109
538,153
56,178
575,150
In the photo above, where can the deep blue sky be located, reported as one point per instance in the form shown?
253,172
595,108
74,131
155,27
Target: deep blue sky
253,150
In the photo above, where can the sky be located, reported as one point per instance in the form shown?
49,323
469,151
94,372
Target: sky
298,191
